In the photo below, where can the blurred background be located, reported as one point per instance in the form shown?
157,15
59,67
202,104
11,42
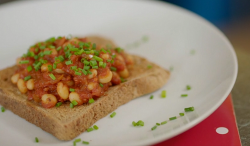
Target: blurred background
232,17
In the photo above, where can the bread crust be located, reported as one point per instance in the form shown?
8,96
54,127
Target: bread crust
66,123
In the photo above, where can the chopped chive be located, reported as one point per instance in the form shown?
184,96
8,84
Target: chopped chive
184,95
58,104
58,48
118,50
149,66
140,123
95,127
88,52
90,129
86,62
89,72
158,124
37,65
43,61
73,67
36,139
36,57
42,47
91,100
50,68
152,96
68,62
36,50
52,39
54,65
134,123
30,54
85,142
113,56
181,114
113,68
113,114
84,72
47,52
71,90
101,84
93,63
74,49
97,58
109,60
94,46
100,64
2,109
52,47
188,87
71,105
95,67
24,62
123,80
172,118
60,58
153,128
29,68
104,51
78,73
163,93
52,76
27,78
96,52
86,67
104,65
164,122
189,109
74,102
77,140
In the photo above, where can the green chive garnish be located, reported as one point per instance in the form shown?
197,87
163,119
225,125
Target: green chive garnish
90,129
59,48
172,118
52,76
104,65
113,56
27,78
164,122
101,84
149,66
68,62
58,104
94,46
29,68
78,73
140,123
118,50
77,140
86,67
36,139
123,80
52,39
113,68
134,123
42,47
95,127
113,114
71,105
93,63
95,67
73,67
152,96
86,62
85,142
163,93
153,128
158,124
91,100
104,51
181,114
189,109
47,52
188,87
71,90
50,68
184,95
74,102
2,109
97,58
100,64
24,62
54,65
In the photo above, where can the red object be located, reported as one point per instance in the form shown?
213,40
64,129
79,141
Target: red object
204,134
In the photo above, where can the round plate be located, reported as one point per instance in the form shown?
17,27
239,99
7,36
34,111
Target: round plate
196,52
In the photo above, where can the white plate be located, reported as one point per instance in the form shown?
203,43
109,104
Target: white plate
172,34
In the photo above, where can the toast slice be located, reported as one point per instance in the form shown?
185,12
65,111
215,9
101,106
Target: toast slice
66,123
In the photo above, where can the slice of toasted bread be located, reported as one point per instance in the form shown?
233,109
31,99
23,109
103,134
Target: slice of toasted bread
66,123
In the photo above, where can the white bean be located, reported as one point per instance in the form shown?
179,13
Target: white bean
63,90
124,73
48,100
94,73
30,84
15,78
105,79
75,96
21,86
